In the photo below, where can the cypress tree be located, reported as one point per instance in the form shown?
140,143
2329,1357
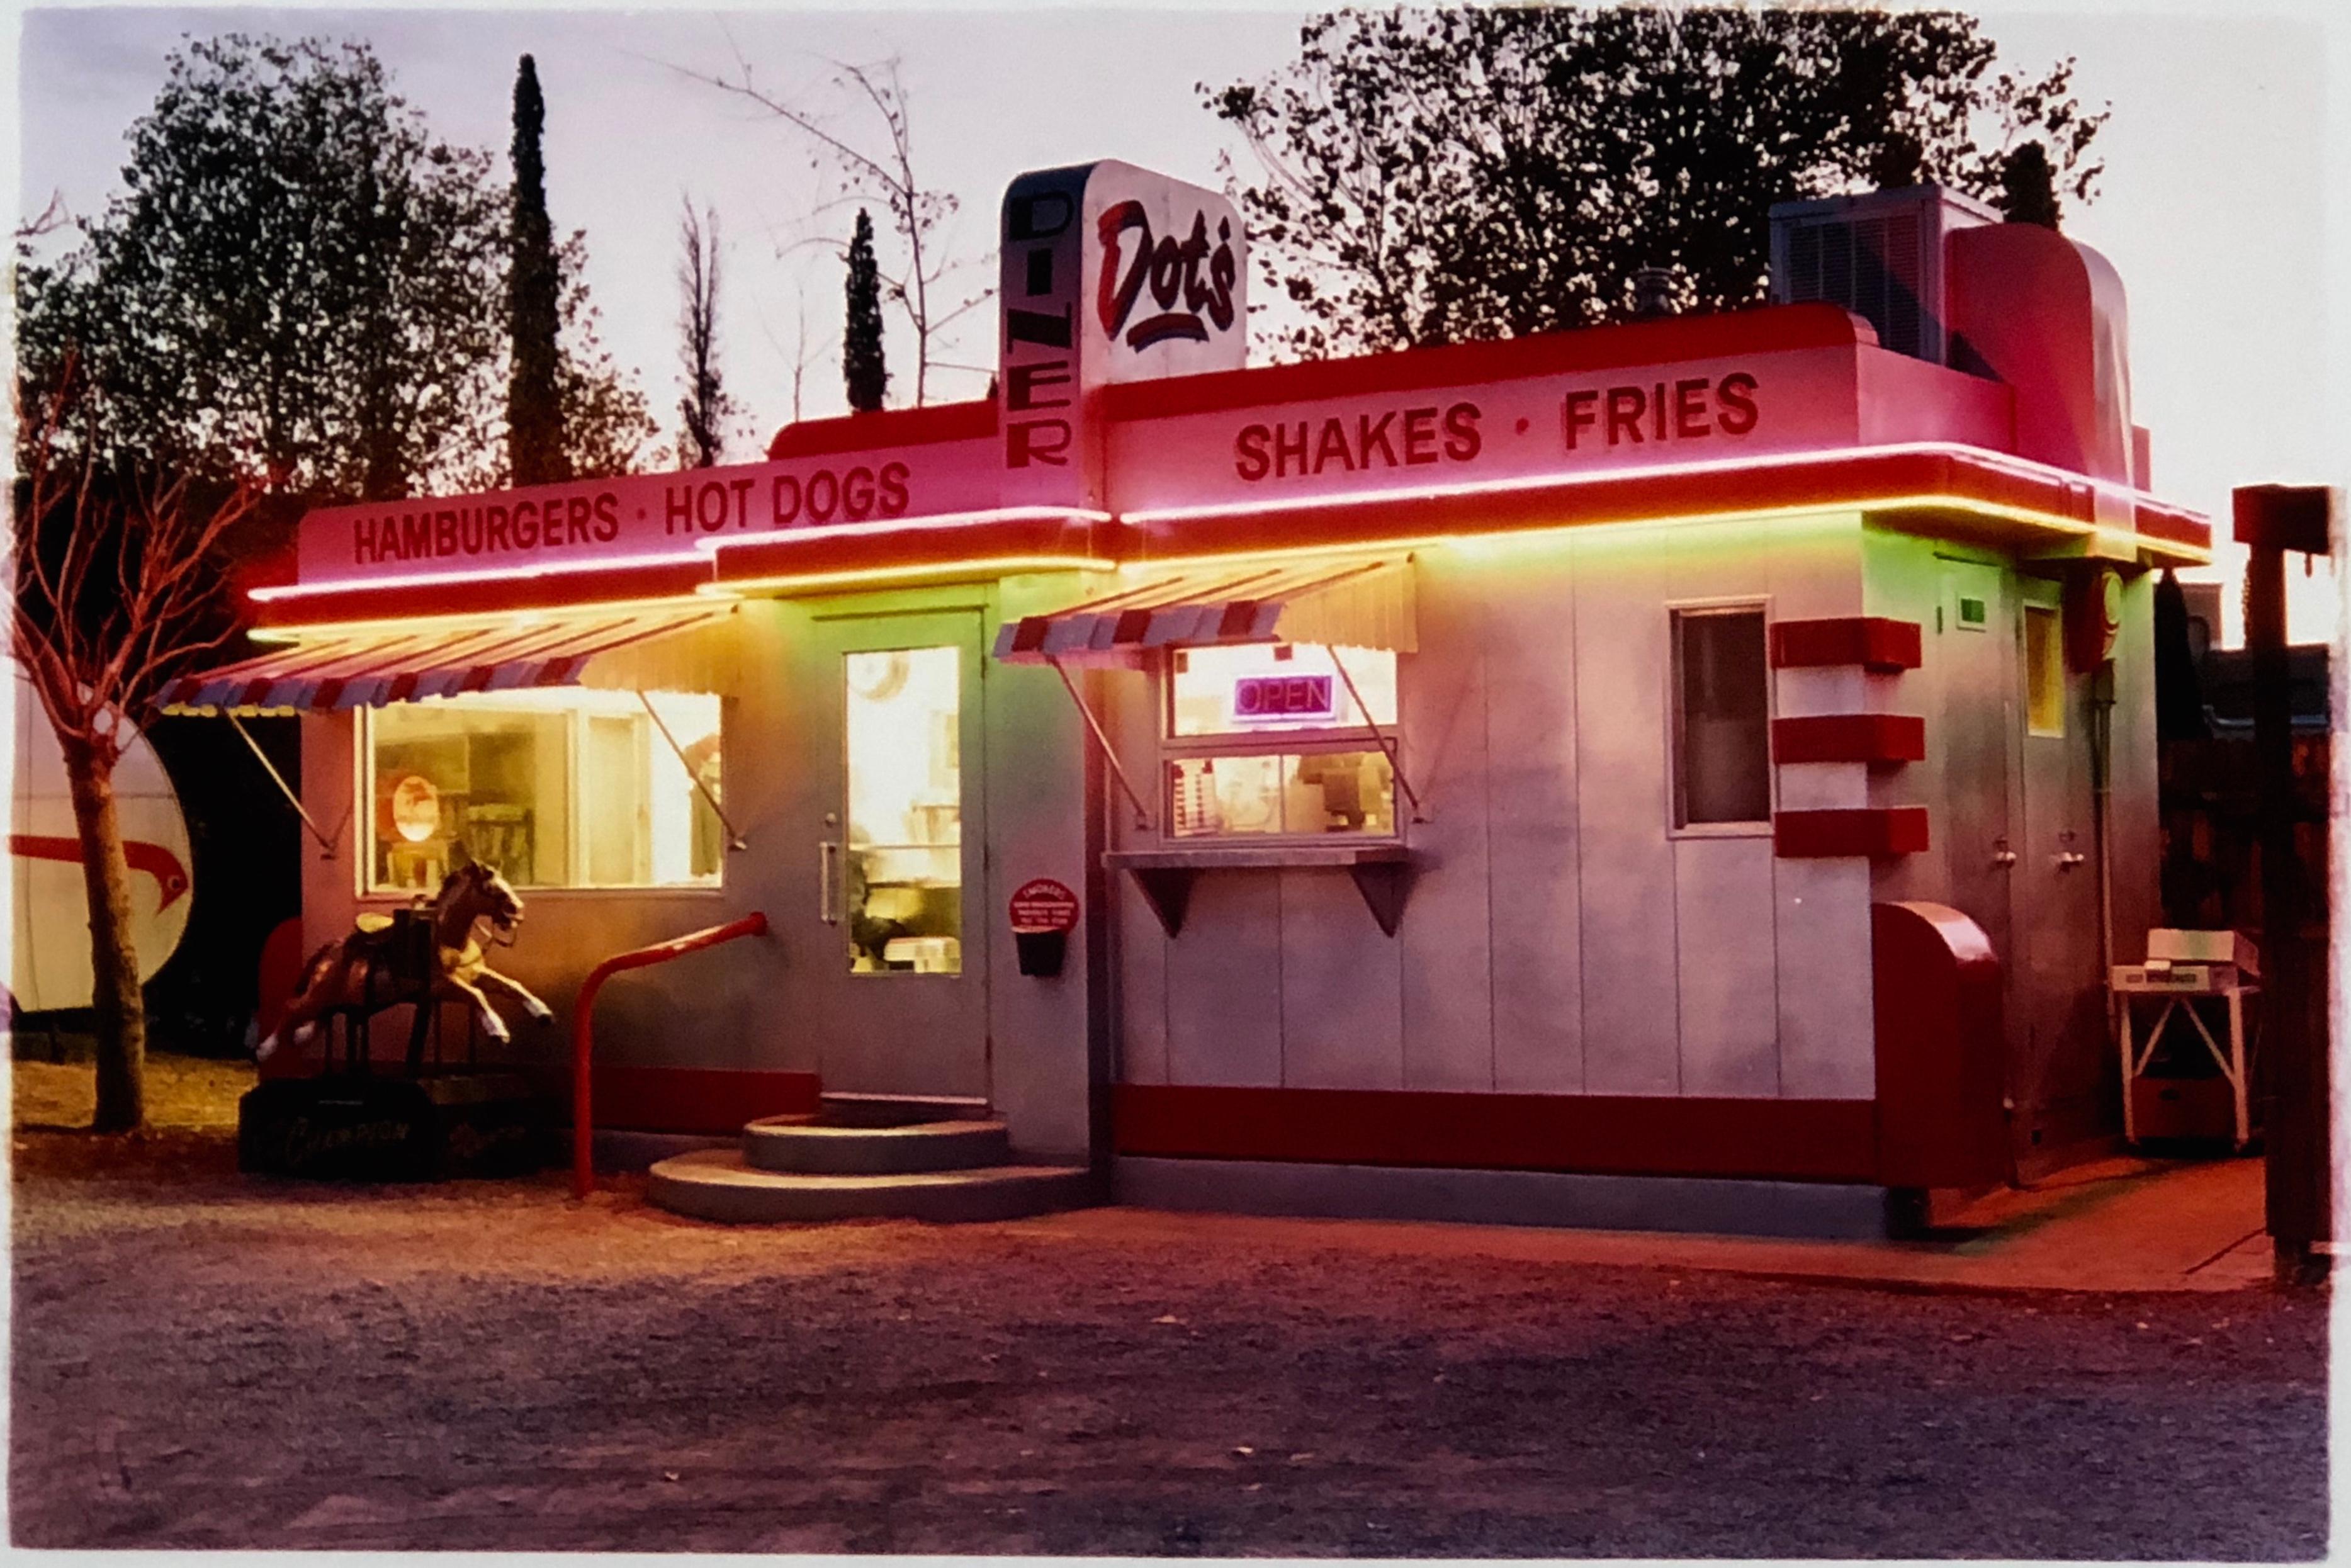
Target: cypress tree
2028,187
534,409
861,348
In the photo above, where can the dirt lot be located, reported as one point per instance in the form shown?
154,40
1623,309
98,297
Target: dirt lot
203,1359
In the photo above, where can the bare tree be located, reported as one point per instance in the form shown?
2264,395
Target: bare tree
118,584
706,408
878,165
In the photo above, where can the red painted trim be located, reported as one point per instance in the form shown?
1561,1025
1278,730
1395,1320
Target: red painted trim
697,1099
886,428
1769,329
1940,1047
1791,1140
1873,641
1865,830
2177,524
559,590
977,545
1879,738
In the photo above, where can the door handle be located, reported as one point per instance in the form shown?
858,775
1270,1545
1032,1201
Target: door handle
2069,859
2001,855
828,856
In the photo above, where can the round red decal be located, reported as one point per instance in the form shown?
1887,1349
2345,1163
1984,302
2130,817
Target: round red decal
1041,905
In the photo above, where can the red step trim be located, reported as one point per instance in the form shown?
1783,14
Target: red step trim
697,1099
1769,329
1878,738
1786,1140
1863,830
1873,641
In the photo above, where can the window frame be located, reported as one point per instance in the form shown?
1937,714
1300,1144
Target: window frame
1317,741
2052,619
1676,828
576,834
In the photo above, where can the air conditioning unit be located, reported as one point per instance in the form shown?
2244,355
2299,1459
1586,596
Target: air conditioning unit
1880,255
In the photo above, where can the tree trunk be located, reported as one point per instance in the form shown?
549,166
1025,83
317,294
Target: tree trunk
120,1012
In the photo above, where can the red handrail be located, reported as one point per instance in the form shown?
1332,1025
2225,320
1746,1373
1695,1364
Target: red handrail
583,1010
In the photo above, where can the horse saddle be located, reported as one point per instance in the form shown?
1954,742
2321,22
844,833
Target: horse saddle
399,946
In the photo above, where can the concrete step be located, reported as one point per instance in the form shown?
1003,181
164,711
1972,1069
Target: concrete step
897,1110
719,1183
788,1143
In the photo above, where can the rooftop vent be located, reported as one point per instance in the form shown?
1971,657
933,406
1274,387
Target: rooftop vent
1879,255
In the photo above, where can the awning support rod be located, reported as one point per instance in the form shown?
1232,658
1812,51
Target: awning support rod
734,839
1396,763
326,845
1142,817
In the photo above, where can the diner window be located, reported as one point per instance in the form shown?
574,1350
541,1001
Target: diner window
1266,739
1722,706
2045,672
555,788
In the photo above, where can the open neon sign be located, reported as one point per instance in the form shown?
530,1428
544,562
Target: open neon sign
1258,699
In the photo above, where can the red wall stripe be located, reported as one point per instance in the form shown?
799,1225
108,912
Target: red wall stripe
1873,738
1873,641
1792,1140
1865,830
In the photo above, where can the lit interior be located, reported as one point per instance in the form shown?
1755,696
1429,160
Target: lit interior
904,710
1270,687
556,787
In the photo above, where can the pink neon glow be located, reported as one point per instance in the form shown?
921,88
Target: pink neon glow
2021,466
427,578
715,543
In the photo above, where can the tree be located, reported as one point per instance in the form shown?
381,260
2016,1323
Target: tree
861,365
706,408
885,174
291,282
301,284
2028,187
535,454
120,580
1435,176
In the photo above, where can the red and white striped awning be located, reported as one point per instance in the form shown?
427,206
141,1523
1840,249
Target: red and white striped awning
1351,604
658,650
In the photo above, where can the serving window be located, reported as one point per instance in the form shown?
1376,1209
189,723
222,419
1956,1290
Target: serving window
1279,741
566,787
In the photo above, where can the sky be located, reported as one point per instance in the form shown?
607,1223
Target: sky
2224,149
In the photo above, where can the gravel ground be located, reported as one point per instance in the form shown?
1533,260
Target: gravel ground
205,1361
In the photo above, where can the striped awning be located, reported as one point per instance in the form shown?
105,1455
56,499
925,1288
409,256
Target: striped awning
689,649
1351,604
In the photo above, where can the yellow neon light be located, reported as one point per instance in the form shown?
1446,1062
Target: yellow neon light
998,566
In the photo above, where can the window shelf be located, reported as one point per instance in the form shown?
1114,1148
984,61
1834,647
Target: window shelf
1382,873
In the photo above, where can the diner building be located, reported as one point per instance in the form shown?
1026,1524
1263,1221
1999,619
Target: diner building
1693,772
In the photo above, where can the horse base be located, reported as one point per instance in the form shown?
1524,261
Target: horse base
366,1127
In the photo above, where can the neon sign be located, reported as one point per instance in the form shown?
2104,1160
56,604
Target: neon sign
1258,699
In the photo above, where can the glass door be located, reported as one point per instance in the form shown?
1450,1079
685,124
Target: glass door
892,959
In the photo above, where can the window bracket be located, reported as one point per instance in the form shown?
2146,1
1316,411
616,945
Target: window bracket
734,839
326,840
1142,816
1385,743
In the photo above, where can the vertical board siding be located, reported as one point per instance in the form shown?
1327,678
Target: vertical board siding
1622,671
1821,909
1559,937
1341,986
1223,982
1447,981
1535,904
1723,914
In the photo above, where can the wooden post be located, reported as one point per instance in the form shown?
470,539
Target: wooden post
2272,520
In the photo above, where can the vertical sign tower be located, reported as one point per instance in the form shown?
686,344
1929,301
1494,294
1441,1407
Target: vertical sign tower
1110,272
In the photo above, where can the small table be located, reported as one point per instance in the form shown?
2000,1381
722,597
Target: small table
2181,986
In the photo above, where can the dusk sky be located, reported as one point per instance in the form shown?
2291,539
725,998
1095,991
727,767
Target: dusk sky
2223,148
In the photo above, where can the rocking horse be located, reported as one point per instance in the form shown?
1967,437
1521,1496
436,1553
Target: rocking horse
421,956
